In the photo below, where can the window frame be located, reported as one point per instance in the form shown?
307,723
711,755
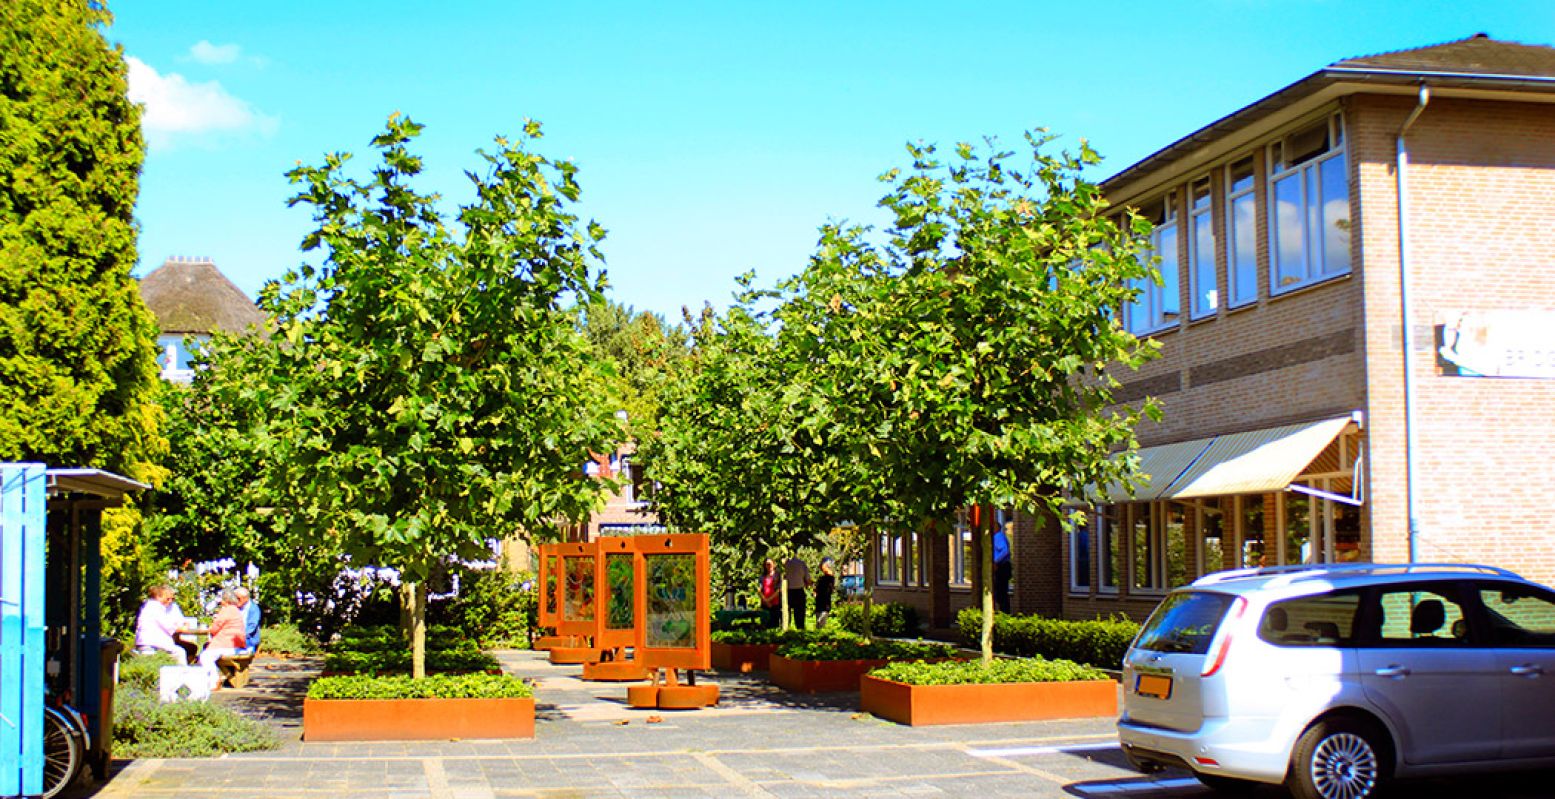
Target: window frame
1108,544
1338,148
1236,297
1075,572
1202,214
1156,297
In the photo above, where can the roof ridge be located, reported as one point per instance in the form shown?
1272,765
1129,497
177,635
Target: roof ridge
1411,49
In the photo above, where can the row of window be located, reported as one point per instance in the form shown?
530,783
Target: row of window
1309,229
900,557
1434,615
1151,547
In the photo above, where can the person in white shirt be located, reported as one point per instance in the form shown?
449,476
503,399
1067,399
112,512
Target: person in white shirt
797,572
157,625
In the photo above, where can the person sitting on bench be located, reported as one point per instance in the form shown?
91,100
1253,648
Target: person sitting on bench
251,615
158,624
227,636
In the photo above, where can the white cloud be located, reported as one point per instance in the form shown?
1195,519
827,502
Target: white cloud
177,109
206,53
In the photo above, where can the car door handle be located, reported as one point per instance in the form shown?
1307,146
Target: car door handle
1528,670
1393,670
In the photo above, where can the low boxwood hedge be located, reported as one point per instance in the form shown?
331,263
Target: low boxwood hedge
857,649
399,661
1003,670
435,686
888,619
1100,642
762,635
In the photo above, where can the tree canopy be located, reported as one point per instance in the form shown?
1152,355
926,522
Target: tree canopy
77,346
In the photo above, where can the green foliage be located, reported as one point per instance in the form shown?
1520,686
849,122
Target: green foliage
143,672
286,639
390,661
645,354
850,648
998,671
1100,643
426,387
144,727
763,635
888,619
492,608
77,346
436,686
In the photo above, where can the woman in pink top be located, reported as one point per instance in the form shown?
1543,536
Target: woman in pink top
228,635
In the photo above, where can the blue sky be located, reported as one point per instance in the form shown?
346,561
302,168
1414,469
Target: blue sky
712,138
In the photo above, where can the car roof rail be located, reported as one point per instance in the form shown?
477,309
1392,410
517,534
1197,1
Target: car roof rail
1318,570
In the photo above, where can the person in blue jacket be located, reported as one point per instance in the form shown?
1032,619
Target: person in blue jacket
1001,567
251,616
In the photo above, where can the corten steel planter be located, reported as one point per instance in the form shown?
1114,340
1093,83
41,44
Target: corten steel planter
820,676
573,655
416,719
919,705
743,658
548,642
615,671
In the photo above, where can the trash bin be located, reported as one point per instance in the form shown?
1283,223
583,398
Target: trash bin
102,737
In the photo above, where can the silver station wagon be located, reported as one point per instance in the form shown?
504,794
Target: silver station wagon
1334,679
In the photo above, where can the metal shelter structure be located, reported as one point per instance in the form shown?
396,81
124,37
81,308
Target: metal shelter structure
50,626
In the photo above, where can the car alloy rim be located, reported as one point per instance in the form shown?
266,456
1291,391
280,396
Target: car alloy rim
1344,767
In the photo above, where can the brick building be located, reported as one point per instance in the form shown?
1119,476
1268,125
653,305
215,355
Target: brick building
1281,321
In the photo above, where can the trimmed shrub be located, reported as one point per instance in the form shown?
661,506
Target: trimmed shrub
436,686
855,649
390,661
888,619
762,635
1014,670
1099,642
286,639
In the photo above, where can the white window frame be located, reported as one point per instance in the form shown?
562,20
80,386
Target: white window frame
1075,572
888,559
1158,307
1202,215
960,567
1152,579
1314,268
1104,525
1238,295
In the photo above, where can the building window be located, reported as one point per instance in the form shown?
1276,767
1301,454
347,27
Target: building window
1156,307
1211,522
1109,556
1250,510
961,560
1080,558
1144,549
1310,189
1241,234
888,563
1300,547
1202,289
1174,534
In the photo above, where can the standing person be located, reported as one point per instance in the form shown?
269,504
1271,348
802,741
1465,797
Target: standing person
824,586
227,636
251,617
1001,569
771,601
798,576
157,625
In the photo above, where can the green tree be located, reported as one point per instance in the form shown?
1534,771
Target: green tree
77,346
964,361
645,354
427,388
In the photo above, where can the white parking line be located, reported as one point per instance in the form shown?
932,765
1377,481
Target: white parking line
1019,751
1135,785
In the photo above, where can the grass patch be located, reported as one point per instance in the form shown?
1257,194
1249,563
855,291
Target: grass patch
286,639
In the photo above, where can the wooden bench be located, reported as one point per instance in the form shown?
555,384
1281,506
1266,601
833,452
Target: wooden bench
234,668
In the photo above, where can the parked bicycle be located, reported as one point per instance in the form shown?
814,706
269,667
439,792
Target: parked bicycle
65,741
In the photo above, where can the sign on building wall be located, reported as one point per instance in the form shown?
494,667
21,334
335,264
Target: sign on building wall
1499,344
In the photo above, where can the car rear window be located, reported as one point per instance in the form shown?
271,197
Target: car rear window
1322,620
1184,622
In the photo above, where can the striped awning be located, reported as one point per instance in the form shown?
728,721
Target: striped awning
1256,461
1159,468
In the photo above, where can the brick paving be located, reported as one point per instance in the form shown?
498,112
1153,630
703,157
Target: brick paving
758,742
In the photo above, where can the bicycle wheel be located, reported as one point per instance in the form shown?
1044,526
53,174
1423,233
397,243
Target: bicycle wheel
62,752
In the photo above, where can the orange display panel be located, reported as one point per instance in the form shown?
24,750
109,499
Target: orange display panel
576,575
673,598
616,595
550,586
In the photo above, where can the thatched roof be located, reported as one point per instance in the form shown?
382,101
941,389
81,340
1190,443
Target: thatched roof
192,296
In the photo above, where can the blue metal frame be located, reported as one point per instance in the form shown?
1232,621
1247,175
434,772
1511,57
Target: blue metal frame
23,503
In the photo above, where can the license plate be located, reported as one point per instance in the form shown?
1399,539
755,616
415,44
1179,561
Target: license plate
1154,686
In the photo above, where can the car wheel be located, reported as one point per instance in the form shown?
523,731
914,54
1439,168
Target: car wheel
1229,786
1339,758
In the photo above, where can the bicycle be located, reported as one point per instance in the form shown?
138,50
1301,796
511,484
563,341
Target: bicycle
65,741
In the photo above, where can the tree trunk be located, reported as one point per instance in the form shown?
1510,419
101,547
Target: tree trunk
985,534
783,597
406,601
418,630
871,560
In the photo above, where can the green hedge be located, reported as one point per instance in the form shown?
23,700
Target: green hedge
397,661
436,686
889,619
143,672
1000,671
286,639
762,635
856,649
1101,642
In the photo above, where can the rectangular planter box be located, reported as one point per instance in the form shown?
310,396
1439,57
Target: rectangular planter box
743,658
820,676
919,705
416,719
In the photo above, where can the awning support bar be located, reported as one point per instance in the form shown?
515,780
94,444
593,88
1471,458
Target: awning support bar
1317,492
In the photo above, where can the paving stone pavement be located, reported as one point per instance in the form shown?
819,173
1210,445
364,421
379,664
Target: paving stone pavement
758,742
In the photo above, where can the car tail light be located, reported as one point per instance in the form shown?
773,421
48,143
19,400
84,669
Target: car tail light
1206,761
1223,644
